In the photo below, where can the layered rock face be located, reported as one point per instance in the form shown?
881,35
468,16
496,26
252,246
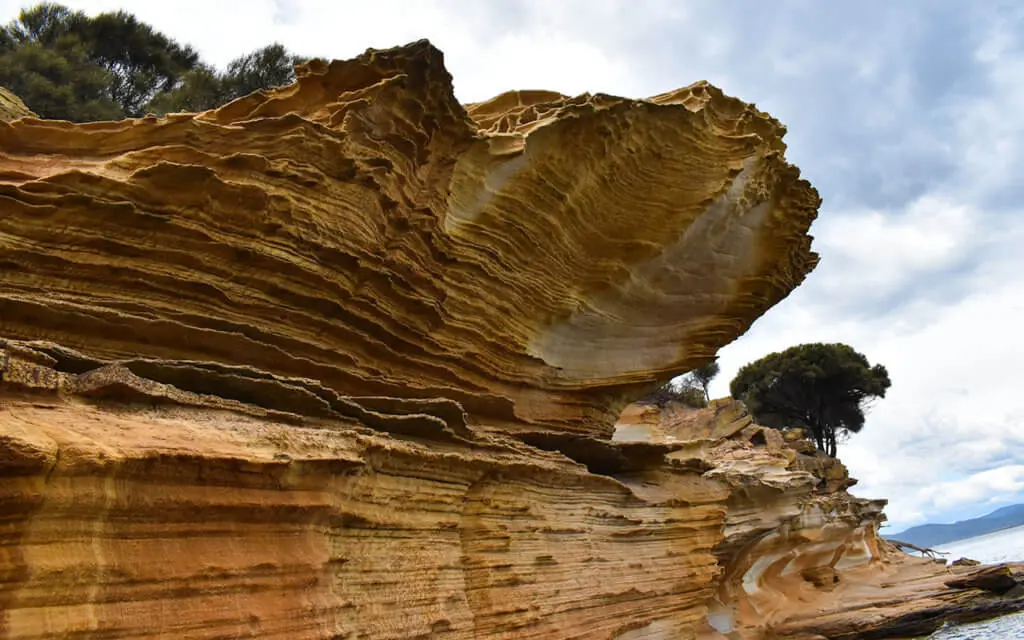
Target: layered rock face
157,521
800,558
344,360
536,258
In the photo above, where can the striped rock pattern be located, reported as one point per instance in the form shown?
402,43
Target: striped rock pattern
538,259
344,359
130,508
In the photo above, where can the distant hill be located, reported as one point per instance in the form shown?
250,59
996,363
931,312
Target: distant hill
931,535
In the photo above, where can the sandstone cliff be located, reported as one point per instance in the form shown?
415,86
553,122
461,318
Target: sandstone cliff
344,360
538,259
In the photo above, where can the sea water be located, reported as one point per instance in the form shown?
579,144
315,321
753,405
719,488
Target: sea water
1006,628
1002,546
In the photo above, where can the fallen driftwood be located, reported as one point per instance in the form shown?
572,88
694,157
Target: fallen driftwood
903,546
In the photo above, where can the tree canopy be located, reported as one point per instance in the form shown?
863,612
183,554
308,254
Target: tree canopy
681,392
821,388
690,389
703,376
67,65
204,88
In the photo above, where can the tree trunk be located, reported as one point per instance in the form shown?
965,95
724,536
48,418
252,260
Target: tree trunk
819,436
831,434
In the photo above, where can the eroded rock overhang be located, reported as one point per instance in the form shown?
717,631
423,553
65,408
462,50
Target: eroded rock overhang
538,259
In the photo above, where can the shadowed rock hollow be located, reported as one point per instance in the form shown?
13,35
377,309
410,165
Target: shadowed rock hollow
345,359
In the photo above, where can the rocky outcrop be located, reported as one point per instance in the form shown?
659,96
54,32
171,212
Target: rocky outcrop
801,558
902,597
170,519
11,106
344,360
538,259
132,509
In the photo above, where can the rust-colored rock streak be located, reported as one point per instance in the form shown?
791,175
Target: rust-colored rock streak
135,510
536,258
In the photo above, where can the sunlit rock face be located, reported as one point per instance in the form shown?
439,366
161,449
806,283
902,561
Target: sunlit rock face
161,518
348,359
790,529
536,258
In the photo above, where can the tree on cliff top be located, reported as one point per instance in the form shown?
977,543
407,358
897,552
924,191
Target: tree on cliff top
703,376
821,388
67,65
204,88
49,67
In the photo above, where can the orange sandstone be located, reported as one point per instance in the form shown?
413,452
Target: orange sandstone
344,359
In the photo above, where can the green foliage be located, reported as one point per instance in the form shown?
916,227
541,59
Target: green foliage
703,376
66,65
201,88
46,64
685,390
822,388
204,88
271,66
58,81
142,62
45,23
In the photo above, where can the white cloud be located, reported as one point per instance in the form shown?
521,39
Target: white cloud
991,131
984,486
873,254
489,47
954,406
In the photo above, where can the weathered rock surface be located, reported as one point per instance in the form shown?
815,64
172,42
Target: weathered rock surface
344,359
133,510
11,106
901,597
537,258
167,520
801,558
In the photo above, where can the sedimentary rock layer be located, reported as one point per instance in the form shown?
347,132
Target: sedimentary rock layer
801,558
537,258
177,516
130,509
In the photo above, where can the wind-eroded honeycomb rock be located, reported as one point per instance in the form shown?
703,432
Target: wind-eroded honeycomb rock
536,258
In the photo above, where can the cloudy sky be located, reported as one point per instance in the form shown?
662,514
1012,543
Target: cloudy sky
907,116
